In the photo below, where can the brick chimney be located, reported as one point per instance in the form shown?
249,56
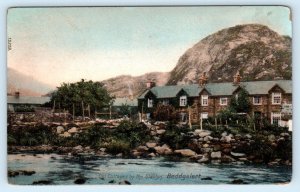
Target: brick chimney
237,78
150,84
203,79
17,94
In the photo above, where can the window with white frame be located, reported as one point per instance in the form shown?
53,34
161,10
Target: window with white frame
257,100
223,101
204,100
165,102
204,115
276,98
183,101
150,103
275,118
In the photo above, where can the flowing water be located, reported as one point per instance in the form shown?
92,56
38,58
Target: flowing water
63,169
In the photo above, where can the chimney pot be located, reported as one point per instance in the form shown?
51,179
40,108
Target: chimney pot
17,94
237,79
150,84
203,79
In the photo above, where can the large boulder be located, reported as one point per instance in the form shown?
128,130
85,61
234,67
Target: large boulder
151,155
73,130
216,155
284,134
248,136
151,144
205,145
204,159
227,159
163,150
206,150
78,148
136,153
160,131
207,138
65,134
226,139
238,154
60,129
185,152
224,134
142,148
204,133
197,131
271,137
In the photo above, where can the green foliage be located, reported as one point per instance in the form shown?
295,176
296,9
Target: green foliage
240,103
31,136
11,140
134,133
164,113
176,136
127,110
81,95
23,108
118,146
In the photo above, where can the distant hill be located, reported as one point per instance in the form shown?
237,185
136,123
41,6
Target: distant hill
126,85
26,85
256,51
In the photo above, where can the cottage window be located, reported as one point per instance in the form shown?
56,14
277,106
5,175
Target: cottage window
223,101
204,100
165,102
276,98
150,103
204,115
275,118
257,100
182,101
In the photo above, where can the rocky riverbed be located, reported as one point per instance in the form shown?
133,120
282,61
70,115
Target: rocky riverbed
54,169
204,148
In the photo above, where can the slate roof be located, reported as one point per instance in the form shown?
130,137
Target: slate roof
125,101
27,100
219,89
262,87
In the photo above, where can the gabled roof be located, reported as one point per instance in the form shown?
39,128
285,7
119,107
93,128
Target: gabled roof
263,87
27,100
166,91
143,94
220,89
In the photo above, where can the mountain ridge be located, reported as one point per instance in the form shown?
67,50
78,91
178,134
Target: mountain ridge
251,49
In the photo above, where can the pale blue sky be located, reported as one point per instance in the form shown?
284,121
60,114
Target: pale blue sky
58,45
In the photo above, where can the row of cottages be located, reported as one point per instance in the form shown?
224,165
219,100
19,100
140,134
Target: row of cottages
268,98
17,100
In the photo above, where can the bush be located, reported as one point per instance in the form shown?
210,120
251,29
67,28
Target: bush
133,133
118,146
176,136
165,113
31,135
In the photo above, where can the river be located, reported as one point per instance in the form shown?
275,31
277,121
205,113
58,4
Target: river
63,170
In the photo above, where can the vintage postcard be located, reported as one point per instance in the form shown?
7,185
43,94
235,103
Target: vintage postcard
149,95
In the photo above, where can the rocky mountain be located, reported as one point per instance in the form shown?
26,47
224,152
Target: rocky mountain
26,85
127,86
256,51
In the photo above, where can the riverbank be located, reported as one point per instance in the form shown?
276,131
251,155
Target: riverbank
145,140
68,170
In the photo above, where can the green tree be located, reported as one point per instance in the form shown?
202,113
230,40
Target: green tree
76,97
240,102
